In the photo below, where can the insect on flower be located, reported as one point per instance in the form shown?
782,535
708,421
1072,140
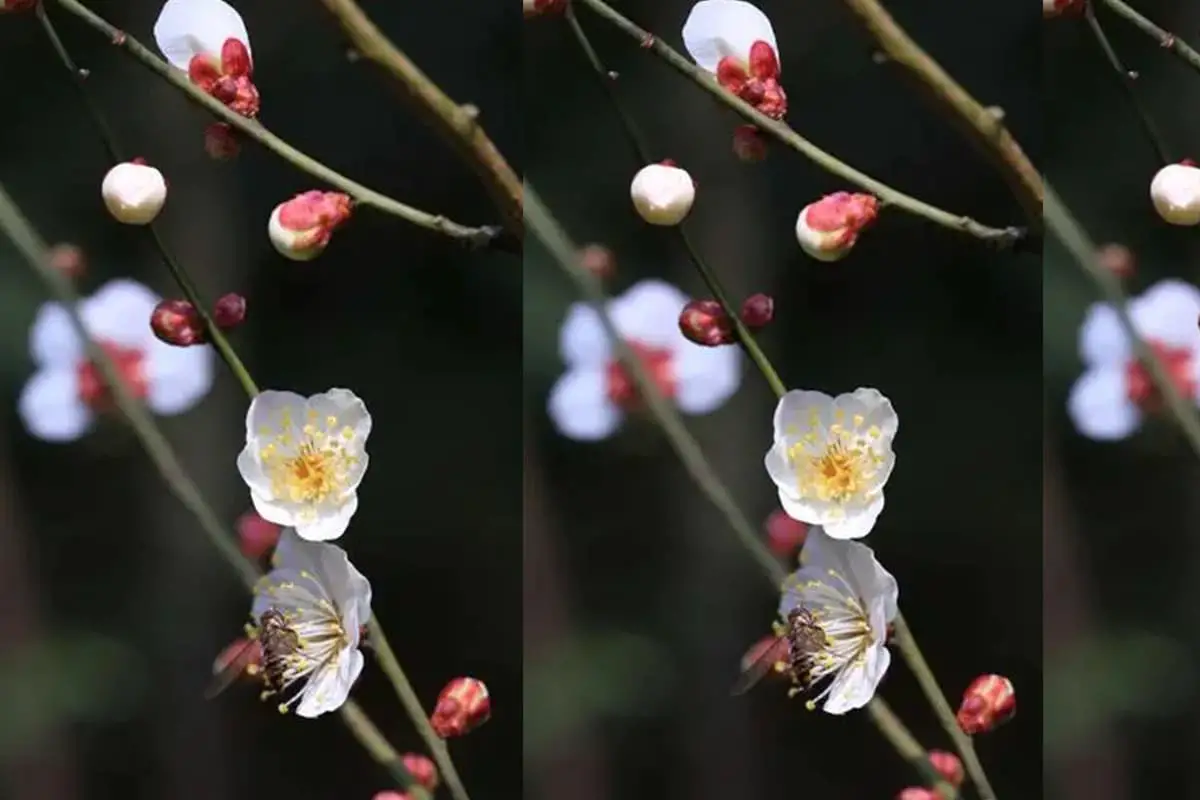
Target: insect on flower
795,643
264,655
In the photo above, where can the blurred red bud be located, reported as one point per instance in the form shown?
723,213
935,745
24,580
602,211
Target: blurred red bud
422,770
948,766
918,793
391,795
176,322
749,145
598,260
1117,259
758,310
221,141
462,706
989,701
229,311
785,535
706,323
256,536
68,260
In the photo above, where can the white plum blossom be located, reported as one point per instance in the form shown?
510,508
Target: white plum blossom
134,193
61,400
1108,401
189,28
831,458
590,400
662,194
325,602
848,600
304,459
718,29
1175,192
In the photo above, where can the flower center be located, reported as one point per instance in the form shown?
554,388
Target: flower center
131,366
620,387
314,470
1139,384
829,635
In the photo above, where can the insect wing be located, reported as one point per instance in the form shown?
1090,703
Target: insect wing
760,665
232,664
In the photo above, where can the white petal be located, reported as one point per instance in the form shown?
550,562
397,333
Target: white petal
583,341
50,406
580,408
874,406
177,377
649,313
705,376
120,313
349,588
1099,406
52,339
269,409
801,510
347,410
794,411
780,470
328,690
1169,311
278,511
187,28
855,686
328,523
857,523
1102,338
716,29
875,585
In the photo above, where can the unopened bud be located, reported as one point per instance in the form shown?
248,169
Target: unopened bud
705,323
785,536
176,322
221,141
301,228
1058,8
134,192
829,228
948,766
462,706
1117,259
392,795
918,793
1175,192
598,260
536,8
229,311
757,311
256,536
17,5
422,770
989,701
67,260
749,144
662,194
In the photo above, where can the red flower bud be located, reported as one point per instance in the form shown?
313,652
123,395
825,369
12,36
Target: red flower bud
749,145
989,701
758,310
17,5
229,311
948,766
422,770
461,707
392,795
706,323
785,535
221,141
598,260
176,322
918,793
1117,259
256,536
68,260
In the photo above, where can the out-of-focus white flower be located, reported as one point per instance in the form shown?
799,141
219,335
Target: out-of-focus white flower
838,606
1107,402
828,229
1175,192
62,398
832,457
662,194
304,459
134,193
324,601
189,28
719,29
589,401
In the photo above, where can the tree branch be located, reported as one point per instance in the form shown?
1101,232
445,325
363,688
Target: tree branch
1165,38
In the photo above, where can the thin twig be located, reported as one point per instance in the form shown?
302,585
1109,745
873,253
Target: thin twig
1064,227
31,246
483,237
747,341
1163,37
459,124
213,333
985,125
1128,81
909,748
1010,236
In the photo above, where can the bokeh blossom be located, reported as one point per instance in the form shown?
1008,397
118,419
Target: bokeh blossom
849,600
61,400
1110,399
831,458
324,601
304,459
591,399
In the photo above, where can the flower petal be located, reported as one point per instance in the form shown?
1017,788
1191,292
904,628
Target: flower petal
874,406
51,408
269,411
705,376
280,512
177,377
1099,406
328,690
858,522
119,312
855,686
52,338
326,523
1102,339
580,408
649,313
717,29
187,28
583,342
795,409
1168,311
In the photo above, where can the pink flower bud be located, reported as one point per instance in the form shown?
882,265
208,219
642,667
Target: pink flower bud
828,228
301,228
757,311
662,193
785,536
948,766
989,701
598,260
17,5
705,323
256,536
749,144
68,260
462,706
392,795
134,192
918,793
536,8
176,322
422,770
1059,8
229,311
221,141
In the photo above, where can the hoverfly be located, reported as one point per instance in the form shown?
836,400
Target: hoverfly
801,638
275,641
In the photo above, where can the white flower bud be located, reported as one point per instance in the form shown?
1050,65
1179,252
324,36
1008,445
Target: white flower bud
662,194
821,245
296,245
1175,192
828,229
134,193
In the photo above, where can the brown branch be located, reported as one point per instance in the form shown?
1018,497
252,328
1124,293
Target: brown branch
458,123
1165,38
984,125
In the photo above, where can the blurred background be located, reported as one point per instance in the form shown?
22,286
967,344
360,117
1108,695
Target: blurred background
1122,649
639,604
112,604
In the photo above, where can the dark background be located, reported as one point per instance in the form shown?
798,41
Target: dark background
112,606
1121,555
638,602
